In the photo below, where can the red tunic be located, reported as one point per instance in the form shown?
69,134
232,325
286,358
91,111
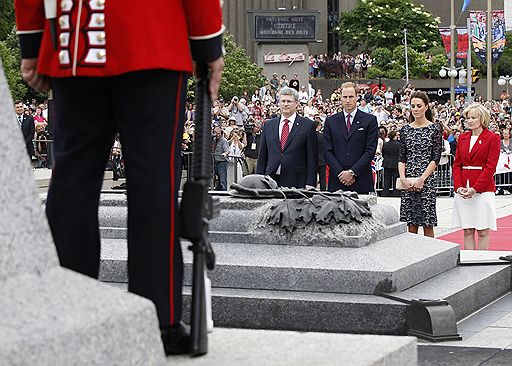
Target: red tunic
111,37
485,154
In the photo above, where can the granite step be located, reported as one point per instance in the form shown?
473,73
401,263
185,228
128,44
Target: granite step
350,313
467,289
318,269
234,347
304,311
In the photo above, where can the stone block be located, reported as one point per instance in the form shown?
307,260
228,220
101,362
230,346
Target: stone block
277,348
62,318
466,288
49,315
321,269
305,311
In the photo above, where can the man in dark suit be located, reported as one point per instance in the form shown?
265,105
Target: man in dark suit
26,123
350,141
288,146
390,155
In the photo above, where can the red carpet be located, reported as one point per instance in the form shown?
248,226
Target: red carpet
500,240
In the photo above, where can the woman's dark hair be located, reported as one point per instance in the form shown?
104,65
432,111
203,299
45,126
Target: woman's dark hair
383,131
421,95
392,135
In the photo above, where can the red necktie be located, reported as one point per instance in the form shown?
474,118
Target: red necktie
349,124
284,134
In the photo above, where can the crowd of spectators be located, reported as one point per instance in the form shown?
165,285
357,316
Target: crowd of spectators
38,113
339,65
240,119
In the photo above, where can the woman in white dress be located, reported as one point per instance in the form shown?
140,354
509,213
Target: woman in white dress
235,154
478,150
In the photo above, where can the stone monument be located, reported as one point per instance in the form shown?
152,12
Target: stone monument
50,315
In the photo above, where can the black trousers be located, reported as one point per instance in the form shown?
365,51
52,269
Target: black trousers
147,109
322,177
390,177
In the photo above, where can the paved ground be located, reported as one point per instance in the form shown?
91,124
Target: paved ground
487,334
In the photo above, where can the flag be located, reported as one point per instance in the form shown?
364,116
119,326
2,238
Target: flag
462,43
465,5
446,37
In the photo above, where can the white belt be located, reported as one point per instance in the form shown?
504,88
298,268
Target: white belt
472,167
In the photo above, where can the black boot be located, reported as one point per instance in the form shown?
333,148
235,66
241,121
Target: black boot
176,339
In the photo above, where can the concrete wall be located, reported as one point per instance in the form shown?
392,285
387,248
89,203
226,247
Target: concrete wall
300,68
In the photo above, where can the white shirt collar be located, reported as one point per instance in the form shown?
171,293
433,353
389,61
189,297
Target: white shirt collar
291,119
352,114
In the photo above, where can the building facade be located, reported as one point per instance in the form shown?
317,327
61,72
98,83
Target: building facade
235,14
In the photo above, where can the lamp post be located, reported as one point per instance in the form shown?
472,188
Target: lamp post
452,51
505,80
452,73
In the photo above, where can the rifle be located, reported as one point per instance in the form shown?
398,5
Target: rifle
197,209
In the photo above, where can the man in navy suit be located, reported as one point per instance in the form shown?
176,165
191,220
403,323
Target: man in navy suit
27,126
288,146
350,141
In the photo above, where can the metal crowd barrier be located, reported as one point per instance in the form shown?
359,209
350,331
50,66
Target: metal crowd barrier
47,159
444,178
442,175
232,178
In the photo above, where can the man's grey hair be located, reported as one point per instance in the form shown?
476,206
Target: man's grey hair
290,91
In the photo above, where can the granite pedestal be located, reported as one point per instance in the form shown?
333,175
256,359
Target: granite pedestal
315,287
50,315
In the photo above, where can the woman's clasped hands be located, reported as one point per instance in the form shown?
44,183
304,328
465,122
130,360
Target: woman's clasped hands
466,192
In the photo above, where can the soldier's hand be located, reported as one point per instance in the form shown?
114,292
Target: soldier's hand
29,73
215,74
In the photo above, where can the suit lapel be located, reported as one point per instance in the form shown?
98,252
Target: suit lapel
296,126
343,125
479,142
464,143
275,131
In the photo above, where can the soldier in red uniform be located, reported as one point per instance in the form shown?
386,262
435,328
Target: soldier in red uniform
118,66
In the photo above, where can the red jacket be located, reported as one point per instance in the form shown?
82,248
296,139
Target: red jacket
112,37
485,154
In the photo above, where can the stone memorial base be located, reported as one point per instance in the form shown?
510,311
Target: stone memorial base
50,316
312,286
63,318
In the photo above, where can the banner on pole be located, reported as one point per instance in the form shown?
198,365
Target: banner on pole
446,37
479,34
498,34
462,43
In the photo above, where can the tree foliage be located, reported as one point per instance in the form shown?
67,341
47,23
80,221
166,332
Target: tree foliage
6,18
391,63
11,59
381,23
240,73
